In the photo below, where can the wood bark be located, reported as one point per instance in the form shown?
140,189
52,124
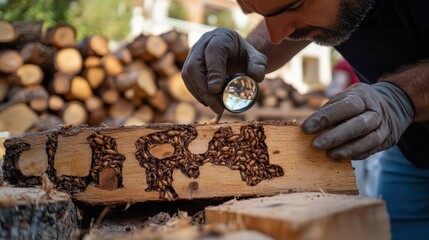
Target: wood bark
38,54
25,95
253,158
29,31
30,213
307,216
4,88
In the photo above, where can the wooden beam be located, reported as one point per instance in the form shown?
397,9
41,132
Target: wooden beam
307,216
223,160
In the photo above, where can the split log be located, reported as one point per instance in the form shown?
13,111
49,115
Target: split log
148,48
55,103
94,45
17,119
39,104
181,112
124,55
93,103
61,83
10,61
177,89
38,54
30,213
145,113
138,46
110,96
126,80
61,36
252,158
156,47
95,76
8,33
307,216
112,65
74,113
178,44
165,65
159,101
92,61
80,88
30,75
68,60
121,109
146,81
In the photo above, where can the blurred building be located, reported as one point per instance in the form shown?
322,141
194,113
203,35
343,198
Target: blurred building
307,71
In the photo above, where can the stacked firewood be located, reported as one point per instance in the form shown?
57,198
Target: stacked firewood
48,78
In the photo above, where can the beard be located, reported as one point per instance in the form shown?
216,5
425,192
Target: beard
351,13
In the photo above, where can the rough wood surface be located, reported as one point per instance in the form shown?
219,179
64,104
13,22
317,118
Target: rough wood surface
245,158
30,213
307,216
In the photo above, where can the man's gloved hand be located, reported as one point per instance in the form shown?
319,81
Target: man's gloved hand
365,119
219,53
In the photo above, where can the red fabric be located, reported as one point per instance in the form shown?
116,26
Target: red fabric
342,64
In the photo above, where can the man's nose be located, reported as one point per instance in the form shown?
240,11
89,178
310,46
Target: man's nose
279,30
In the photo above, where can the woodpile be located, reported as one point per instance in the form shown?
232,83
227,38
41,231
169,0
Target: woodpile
52,77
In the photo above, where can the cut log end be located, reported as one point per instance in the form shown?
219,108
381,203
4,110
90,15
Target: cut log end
68,60
74,113
8,32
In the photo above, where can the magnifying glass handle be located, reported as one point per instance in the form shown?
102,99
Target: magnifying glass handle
216,119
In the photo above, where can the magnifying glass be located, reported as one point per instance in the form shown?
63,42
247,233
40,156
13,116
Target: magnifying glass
240,93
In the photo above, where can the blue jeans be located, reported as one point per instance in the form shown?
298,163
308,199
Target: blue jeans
405,188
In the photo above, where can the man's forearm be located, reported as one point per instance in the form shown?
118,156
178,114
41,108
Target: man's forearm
414,81
277,55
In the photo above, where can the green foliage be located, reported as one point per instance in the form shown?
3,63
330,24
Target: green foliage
108,17
222,19
50,12
177,10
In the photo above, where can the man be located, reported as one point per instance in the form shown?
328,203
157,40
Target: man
376,37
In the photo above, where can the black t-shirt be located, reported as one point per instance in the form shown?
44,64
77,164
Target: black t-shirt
395,33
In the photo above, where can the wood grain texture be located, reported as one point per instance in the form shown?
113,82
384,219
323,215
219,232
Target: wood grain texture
307,216
198,168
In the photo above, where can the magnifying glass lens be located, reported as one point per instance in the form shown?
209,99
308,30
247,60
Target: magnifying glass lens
240,94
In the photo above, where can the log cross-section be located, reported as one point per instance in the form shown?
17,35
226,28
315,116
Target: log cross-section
175,161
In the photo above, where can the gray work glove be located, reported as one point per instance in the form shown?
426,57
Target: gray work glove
216,55
365,119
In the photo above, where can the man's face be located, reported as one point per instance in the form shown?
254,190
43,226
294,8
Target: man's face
326,22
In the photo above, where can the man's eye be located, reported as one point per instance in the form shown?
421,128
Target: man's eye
297,6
